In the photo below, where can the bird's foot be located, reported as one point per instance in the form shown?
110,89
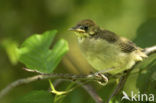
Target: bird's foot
101,79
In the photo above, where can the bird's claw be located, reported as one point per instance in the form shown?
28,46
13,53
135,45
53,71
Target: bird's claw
102,79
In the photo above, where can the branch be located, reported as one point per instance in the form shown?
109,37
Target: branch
48,76
150,50
92,93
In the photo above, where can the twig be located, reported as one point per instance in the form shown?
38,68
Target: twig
150,50
48,76
33,71
92,93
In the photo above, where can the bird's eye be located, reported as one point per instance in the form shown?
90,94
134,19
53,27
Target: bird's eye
84,28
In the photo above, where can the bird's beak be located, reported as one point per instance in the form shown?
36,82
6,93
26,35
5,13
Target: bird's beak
71,29
76,29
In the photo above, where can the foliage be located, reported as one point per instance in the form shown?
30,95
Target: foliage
35,53
11,49
36,97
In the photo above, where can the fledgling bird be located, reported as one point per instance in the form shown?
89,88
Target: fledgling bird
104,50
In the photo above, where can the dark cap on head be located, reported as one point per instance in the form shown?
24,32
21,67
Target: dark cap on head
84,26
86,22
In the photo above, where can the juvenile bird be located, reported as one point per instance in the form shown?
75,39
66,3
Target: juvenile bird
104,50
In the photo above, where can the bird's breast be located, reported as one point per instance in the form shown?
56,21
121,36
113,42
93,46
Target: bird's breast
98,47
102,54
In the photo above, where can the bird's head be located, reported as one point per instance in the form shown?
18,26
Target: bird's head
85,28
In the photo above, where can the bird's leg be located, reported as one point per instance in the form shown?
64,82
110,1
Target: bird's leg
101,78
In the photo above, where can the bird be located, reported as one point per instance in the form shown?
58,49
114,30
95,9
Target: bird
104,49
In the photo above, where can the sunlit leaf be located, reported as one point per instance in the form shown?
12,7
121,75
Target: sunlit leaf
11,48
36,55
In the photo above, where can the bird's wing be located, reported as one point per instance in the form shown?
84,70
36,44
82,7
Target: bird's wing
126,45
106,35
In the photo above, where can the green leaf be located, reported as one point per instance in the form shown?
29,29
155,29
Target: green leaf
146,33
36,97
11,48
36,55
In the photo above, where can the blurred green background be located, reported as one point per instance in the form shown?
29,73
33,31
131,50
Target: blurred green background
134,19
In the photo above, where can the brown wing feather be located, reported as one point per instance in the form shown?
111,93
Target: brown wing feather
124,44
105,34
127,46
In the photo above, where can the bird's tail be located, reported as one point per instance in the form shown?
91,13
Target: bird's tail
140,55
